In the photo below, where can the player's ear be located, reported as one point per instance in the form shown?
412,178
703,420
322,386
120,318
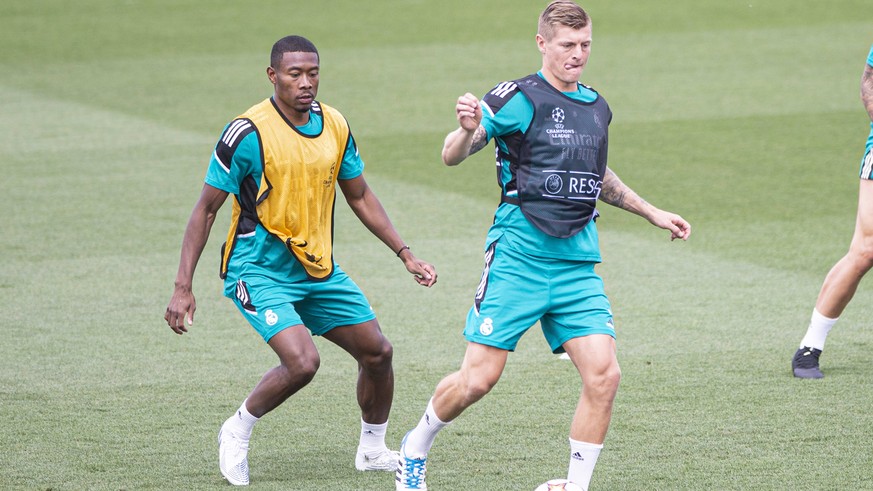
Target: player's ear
271,74
541,43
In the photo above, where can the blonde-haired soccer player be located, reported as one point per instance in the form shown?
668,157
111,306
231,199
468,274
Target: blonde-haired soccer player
551,134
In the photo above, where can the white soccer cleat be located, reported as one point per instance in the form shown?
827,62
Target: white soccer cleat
410,473
232,460
381,460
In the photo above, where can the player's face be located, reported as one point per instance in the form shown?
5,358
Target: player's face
565,55
295,83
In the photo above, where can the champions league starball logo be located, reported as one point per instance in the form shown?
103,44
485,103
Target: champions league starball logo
558,115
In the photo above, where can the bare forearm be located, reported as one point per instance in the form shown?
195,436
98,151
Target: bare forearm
867,90
618,194
461,143
372,214
196,235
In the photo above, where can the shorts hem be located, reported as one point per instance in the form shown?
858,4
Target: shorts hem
267,336
344,322
588,332
491,344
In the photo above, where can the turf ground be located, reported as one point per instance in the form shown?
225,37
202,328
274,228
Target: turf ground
742,116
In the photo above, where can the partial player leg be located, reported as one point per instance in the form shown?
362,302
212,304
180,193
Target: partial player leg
479,373
299,361
375,391
843,279
595,358
839,287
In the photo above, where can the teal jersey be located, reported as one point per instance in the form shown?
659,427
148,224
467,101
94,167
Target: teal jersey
870,138
507,113
236,167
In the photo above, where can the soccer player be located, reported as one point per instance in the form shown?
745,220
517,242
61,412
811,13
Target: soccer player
843,279
281,160
551,138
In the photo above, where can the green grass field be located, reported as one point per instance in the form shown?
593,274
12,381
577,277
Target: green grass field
743,116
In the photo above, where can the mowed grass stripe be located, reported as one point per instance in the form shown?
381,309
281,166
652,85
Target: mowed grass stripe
680,76
55,124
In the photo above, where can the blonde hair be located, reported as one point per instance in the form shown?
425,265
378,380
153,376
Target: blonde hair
561,12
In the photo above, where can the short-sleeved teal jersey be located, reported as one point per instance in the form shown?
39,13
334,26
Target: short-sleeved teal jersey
507,113
237,168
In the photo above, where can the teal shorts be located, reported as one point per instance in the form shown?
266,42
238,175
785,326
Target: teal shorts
319,305
867,164
517,290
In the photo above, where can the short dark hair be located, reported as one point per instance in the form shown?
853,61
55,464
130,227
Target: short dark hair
290,44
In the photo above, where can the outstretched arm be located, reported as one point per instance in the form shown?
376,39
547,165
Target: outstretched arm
618,194
182,304
370,212
470,137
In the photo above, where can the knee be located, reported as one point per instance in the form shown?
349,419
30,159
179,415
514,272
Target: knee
302,369
378,359
612,378
604,384
476,386
862,255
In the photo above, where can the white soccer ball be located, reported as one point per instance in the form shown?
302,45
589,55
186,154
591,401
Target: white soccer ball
558,485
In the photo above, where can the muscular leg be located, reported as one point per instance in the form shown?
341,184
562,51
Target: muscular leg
479,373
374,354
843,279
375,391
594,357
298,362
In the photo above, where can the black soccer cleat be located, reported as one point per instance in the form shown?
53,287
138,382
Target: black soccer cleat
805,363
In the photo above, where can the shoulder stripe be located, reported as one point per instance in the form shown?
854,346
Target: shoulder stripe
503,89
234,130
501,94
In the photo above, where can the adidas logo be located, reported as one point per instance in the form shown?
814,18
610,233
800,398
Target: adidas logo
427,418
368,432
577,456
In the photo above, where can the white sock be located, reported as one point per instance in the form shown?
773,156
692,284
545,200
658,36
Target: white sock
242,422
421,438
372,436
583,457
817,333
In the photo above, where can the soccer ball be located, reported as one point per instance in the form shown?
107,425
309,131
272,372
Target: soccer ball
558,485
